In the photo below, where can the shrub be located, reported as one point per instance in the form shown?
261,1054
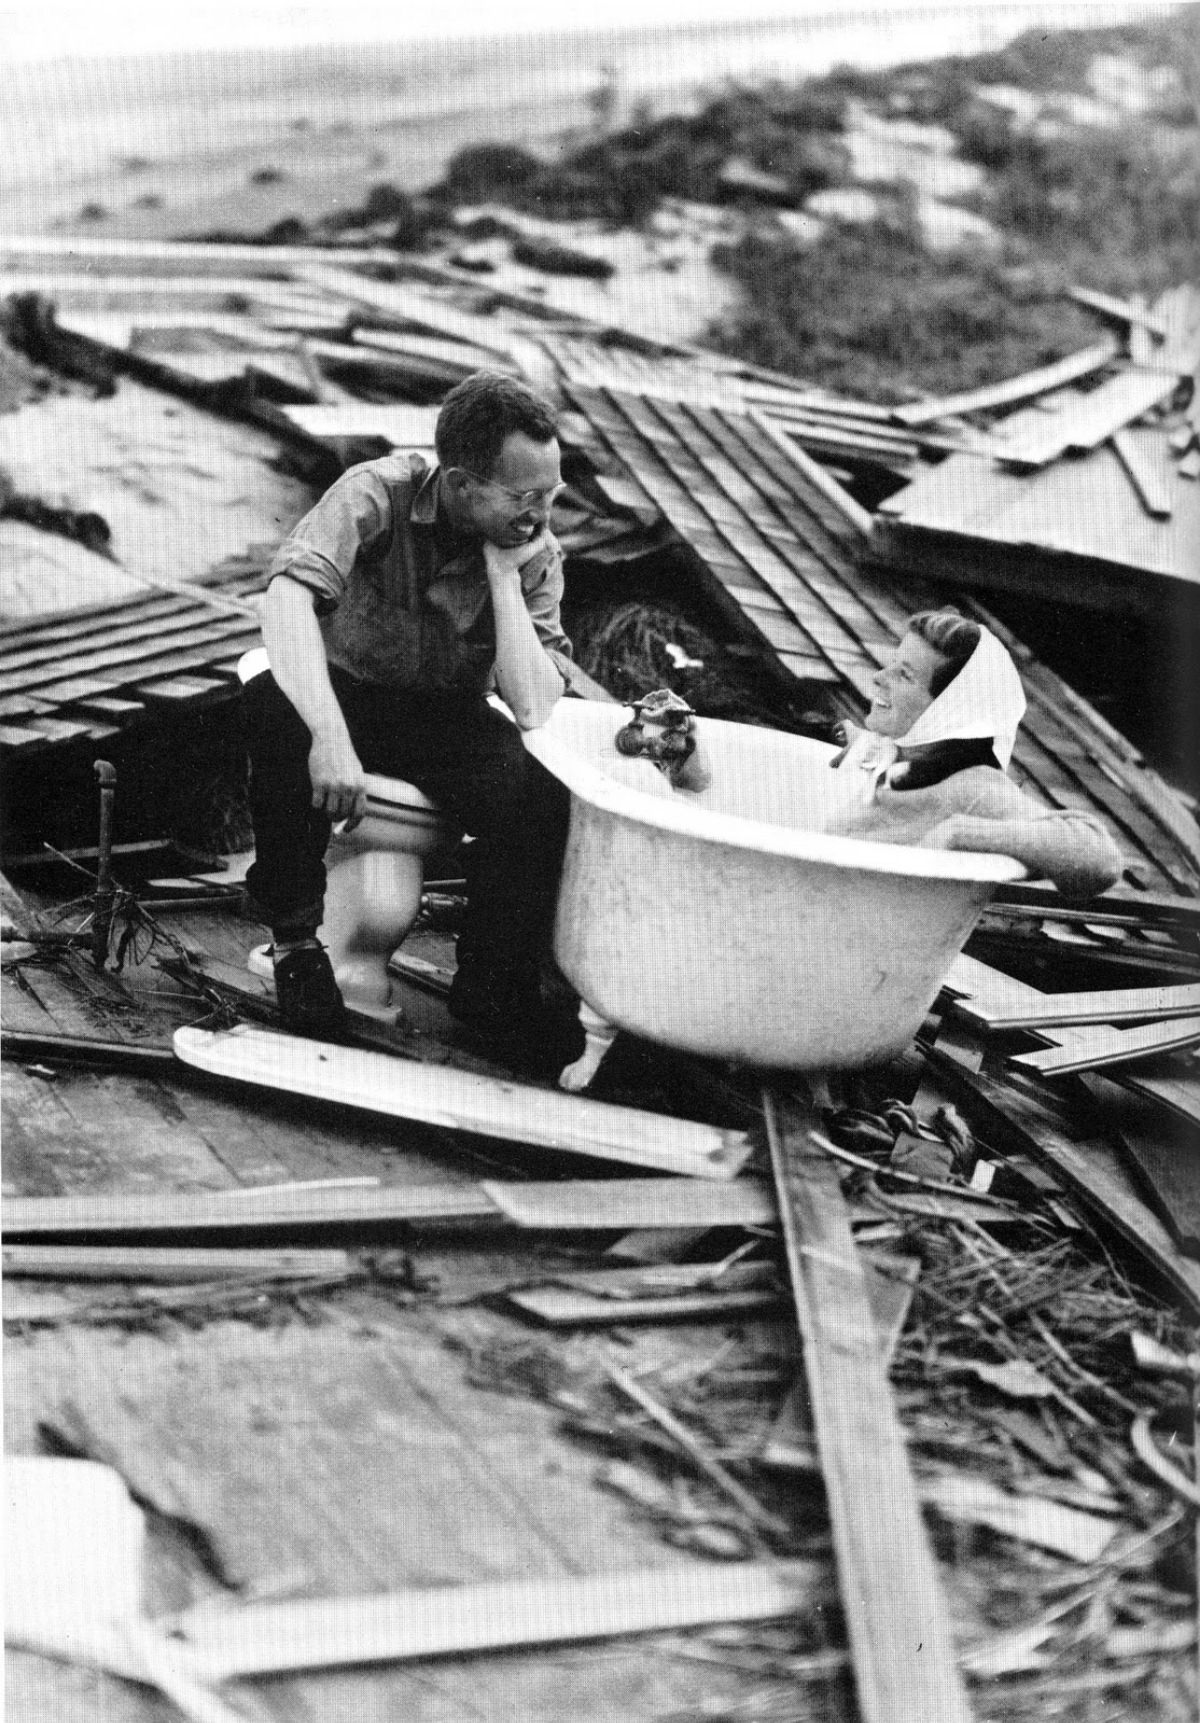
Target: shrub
554,259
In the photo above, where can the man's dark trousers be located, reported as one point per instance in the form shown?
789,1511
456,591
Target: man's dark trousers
469,760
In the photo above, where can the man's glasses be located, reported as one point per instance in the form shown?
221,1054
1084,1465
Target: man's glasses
522,499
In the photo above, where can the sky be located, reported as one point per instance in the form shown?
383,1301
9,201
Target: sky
46,29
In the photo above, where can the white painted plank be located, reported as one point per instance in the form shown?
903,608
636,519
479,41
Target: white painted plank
464,1101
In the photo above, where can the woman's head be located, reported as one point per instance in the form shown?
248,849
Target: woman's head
935,647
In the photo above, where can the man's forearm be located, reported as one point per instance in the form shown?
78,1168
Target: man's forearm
296,651
525,675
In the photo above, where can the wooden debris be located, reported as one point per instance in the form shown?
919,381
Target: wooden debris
194,1212
1108,408
713,1470
1032,1519
1150,478
167,1265
449,1620
1022,388
606,1204
891,1280
1141,1437
464,1101
896,1622
1010,1116
1088,1049
1120,310
1050,1010
673,1293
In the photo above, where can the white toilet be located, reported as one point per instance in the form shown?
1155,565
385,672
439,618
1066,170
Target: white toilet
374,879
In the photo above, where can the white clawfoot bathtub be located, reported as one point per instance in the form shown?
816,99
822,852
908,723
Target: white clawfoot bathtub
724,922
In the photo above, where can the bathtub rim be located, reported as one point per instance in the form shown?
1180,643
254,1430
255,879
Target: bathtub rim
738,832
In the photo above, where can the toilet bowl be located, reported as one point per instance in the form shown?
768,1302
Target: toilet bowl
374,877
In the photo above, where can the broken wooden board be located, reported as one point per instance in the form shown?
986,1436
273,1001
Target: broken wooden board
170,1266
401,426
970,979
464,1101
1092,419
896,1619
247,1210
1021,388
1088,1049
1053,1010
612,1204
654,1293
445,1620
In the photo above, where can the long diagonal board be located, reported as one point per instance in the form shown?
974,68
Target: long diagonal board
896,1619
464,1101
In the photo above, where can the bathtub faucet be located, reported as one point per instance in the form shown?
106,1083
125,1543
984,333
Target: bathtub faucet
663,729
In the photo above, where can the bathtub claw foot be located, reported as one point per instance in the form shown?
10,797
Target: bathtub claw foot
599,1036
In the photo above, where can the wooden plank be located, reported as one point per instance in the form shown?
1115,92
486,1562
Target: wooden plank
407,304
1127,1004
448,1620
559,1307
896,1620
87,1050
1149,476
618,1204
464,1101
192,257
855,515
402,426
1093,420
1091,1048
166,1265
1029,383
891,1282
275,1207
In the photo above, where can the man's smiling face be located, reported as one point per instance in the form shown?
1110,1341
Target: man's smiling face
512,504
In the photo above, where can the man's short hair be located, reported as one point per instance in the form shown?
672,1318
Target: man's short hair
480,413
952,635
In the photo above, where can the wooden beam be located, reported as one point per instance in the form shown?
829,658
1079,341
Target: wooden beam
1021,388
450,1620
896,1619
855,514
1091,1048
464,1101
1048,1010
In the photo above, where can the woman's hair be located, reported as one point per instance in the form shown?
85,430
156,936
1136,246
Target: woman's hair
480,413
952,636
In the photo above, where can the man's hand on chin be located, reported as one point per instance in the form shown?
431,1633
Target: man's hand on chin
506,561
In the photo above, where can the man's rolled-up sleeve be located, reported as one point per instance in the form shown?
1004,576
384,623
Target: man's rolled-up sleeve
542,589
321,550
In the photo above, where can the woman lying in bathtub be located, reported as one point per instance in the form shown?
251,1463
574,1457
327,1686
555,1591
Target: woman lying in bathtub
929,768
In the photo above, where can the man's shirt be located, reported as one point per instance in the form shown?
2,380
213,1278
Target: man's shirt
401,600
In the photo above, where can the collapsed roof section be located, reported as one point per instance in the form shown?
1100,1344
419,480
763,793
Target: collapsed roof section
1093,485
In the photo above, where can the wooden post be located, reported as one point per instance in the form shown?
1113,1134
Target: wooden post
900,1643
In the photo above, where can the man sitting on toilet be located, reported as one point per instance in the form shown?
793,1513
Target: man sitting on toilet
393,608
